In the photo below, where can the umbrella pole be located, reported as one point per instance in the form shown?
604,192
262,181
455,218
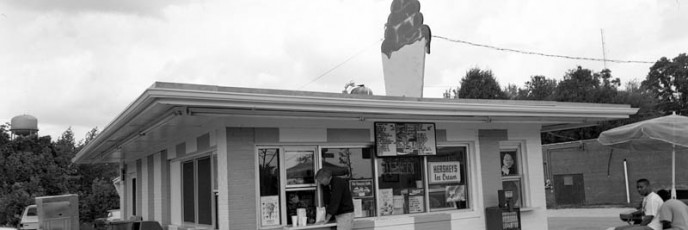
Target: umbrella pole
673,171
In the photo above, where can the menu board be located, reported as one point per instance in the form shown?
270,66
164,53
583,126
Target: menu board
405,139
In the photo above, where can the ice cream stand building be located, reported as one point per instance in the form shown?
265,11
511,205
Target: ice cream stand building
212,157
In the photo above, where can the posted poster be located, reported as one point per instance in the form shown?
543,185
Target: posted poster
269,208
398,205
386,202
416,204
361,188
399,139
358,208
455,193
444,172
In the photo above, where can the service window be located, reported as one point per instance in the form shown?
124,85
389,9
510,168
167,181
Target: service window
401,188
300,191
380,186
356,166
287,172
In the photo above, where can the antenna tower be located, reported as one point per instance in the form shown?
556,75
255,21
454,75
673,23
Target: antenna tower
604,52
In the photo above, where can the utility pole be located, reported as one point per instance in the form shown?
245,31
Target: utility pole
604,52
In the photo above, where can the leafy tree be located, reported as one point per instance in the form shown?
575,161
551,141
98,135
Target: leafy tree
480,84
32,166
95,202
511,91
667,81
538,88
582,85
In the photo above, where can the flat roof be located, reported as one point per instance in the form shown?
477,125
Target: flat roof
164,101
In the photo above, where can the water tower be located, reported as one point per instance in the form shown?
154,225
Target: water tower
24,125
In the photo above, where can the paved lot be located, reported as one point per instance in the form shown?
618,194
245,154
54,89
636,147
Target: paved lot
584,218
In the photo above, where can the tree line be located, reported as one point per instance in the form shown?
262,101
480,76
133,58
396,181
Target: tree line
33,166
663,91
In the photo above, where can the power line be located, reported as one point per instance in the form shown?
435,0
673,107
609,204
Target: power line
340,64
537,53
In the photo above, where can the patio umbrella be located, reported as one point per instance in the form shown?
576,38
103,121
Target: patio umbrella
668,133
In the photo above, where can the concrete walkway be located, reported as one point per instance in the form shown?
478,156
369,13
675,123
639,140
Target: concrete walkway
584,218
587,212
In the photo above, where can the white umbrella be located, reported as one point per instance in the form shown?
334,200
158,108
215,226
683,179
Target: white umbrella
658,134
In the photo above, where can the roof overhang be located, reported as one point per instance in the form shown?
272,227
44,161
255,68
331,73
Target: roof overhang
168,107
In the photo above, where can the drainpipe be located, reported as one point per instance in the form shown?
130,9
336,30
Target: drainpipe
628,197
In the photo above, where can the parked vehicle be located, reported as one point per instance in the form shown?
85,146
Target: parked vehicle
112,216
29,218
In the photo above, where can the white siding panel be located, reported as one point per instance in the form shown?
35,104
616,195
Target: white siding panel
176,193
303,134
222,178
191,145
144,189
537,218
157,187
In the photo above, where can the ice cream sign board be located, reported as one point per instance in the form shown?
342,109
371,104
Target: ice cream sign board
444,172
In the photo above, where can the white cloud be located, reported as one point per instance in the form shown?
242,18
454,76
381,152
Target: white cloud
79,63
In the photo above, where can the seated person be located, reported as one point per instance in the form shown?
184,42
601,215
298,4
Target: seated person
650,206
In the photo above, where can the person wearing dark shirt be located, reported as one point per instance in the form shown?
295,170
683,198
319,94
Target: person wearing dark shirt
340,203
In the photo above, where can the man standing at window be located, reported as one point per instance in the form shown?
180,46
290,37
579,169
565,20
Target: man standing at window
340,203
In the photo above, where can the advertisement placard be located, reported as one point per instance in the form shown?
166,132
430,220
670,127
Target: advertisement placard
361,188
269,209
444,172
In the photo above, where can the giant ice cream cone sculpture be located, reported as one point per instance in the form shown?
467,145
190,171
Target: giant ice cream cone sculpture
403,50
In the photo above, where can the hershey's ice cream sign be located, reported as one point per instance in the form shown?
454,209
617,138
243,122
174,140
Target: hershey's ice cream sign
444,172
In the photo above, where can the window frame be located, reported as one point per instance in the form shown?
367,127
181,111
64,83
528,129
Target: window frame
283,187
470,180
519,147
373,161
212,156
317,158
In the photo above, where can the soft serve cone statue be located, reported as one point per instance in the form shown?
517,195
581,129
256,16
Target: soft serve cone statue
403,50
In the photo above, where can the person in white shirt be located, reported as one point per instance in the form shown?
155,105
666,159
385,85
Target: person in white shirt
650,207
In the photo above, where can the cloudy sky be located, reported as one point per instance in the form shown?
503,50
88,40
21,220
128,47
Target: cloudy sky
79,63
